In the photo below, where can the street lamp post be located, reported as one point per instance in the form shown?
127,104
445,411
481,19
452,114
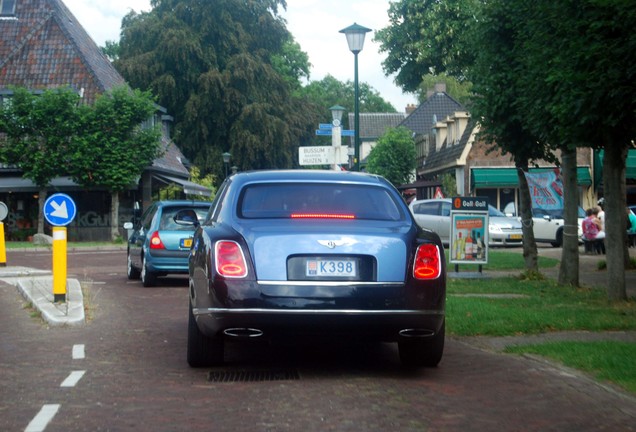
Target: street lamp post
355,39
226,161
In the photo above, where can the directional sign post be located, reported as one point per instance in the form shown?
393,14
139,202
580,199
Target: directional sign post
59,211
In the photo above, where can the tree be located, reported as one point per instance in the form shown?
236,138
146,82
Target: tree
39,131
292,63
223,69
449,184
328,92
579,69
111,50
494,75
113,149
427,37
394,156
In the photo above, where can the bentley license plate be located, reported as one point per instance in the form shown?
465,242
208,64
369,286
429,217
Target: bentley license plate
186,243
331,268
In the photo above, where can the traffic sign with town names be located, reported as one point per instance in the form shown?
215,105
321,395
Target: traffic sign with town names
315,155
321,155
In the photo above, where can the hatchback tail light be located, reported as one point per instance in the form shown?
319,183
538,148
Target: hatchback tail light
155,241
428,263
230,260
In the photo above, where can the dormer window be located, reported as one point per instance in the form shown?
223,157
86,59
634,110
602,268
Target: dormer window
7,8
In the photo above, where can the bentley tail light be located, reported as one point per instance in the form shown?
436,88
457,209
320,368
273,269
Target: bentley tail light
230,261
427,262
155,241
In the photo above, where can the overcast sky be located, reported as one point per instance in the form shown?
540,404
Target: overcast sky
315,25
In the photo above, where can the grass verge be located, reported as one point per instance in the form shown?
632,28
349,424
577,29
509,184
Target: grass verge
514,306
485,307
30,245
606,361
502,260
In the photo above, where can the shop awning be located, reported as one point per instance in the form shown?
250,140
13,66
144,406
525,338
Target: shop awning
189,188
20,184
507,177
630,165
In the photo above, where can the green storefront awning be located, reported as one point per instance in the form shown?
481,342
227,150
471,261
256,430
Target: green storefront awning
630,165
507,177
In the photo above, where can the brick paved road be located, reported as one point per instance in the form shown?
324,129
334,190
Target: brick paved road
136,377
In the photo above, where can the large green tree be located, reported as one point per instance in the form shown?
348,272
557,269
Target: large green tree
105,145
427,37
222,68
394,157
494,74
579,73
547,75
117,142
329,91
39,129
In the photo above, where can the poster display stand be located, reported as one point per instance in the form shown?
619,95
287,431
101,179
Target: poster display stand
469,231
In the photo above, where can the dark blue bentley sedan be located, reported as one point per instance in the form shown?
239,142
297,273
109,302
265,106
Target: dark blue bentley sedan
314,253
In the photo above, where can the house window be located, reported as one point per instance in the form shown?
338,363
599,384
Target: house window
7,7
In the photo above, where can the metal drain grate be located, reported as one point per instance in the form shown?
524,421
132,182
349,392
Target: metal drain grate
253,375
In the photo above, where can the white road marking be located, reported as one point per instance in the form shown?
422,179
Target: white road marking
72,379
78,352
39,422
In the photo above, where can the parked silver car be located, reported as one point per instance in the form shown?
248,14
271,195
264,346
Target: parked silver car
434,214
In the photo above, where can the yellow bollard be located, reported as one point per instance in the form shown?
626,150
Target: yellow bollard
59,264
3,248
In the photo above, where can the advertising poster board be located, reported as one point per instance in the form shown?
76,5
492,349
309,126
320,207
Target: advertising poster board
469,231
546,189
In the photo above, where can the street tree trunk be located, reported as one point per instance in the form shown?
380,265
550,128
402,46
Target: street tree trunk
530,254
114,216
615,203
569,269
41,202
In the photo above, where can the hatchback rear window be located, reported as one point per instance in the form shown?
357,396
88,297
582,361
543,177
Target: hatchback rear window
167,222
318,200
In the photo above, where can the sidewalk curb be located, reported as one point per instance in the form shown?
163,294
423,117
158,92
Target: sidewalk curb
39,292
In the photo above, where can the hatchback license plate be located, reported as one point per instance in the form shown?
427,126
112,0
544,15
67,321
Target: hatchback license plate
331,268
186,243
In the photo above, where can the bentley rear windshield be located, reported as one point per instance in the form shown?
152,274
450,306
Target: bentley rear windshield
318,200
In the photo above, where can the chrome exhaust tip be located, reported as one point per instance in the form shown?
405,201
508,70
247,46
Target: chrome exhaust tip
416,333
241,332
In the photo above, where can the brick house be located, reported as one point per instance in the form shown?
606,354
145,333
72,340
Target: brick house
43,46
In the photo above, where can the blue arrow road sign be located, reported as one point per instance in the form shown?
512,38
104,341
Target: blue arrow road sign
59,209
347,132
325,125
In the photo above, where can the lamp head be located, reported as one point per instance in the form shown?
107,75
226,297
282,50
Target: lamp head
336,113
355,37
